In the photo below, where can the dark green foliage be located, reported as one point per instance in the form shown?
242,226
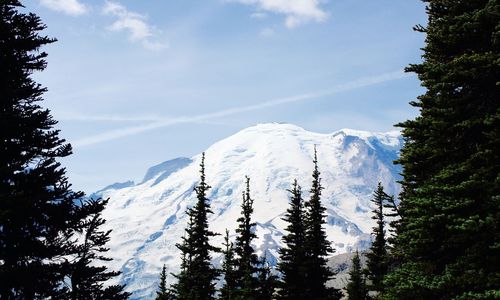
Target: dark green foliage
447,240
163,293
227,291
377,262
247,260
266,281
293,254
198,277
317,245
356,287
182,288
87,278
33,224
39,216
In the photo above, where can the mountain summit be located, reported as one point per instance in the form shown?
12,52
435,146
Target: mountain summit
149,218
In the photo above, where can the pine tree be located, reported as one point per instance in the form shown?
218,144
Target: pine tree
377,258
247,260
198,276
447,239
227,291
356,287
87,278
163,293
293,254
182,288
39,216
317,245
266,281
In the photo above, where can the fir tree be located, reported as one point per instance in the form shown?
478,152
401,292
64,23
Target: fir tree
163,293
87,278
39,216
356,287
247,261
227,291
377,258
266,281
182,288
292,254
198,277
447,239
317,245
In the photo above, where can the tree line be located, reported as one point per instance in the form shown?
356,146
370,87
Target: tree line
302,266
302,269
441,241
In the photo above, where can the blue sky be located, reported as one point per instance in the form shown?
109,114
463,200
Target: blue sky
134,83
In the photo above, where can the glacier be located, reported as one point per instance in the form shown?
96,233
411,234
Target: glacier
147,219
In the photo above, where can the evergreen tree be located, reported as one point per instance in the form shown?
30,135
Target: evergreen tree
163,293
293,254
197,278
266,281
317,245
377,256
182,288
87,278
39,216
247,260
356,287
447,239
227,291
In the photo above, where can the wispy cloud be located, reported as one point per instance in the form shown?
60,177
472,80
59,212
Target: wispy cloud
69,7
166,122
296,12
73,116
133,23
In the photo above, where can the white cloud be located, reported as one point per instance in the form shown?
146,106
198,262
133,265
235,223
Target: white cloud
166,122
133,23
297,12
70,7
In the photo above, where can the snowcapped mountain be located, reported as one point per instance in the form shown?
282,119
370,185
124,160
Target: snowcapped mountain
148,218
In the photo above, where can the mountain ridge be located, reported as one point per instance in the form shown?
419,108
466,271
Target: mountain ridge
149,218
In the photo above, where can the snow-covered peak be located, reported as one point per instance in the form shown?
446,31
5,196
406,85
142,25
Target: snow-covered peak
148,219
164,169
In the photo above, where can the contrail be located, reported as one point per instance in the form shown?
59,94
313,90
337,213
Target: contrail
160,123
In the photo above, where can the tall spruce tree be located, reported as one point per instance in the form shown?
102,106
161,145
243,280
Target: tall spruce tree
317,245
377,258
87,277
227,292
182,288
39,215
293,254
163,293
356,287
447,239
247,261
198,276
